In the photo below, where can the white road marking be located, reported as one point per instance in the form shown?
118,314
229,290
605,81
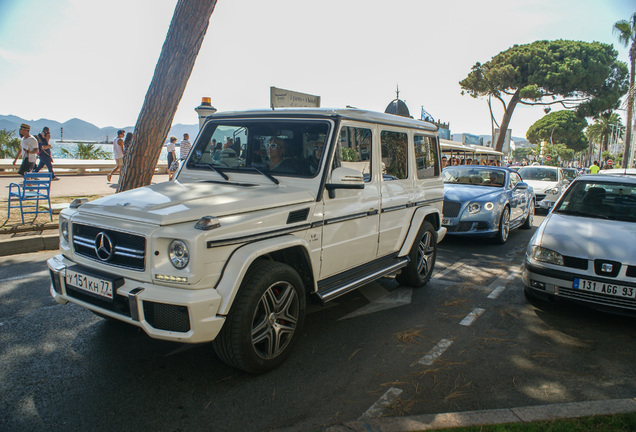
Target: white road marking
448,270
496,292
436,352
377,409
471,317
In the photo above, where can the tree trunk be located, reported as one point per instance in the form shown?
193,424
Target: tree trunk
630,107
188,27
506,121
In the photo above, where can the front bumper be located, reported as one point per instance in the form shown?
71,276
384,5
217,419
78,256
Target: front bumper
549,283
163,312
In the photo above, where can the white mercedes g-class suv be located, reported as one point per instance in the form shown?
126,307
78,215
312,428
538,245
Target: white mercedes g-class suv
270,208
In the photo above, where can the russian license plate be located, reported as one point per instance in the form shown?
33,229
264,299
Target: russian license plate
604,288
92,284
446,221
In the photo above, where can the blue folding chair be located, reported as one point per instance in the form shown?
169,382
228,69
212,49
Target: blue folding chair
36,188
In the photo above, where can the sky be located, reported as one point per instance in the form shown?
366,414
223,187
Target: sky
94,60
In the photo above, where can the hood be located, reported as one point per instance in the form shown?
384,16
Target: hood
588,238
461,193
174,202
541,186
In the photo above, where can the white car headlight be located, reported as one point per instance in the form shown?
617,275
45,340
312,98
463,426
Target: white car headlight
553,191
64,229
179,254
546,255
474,208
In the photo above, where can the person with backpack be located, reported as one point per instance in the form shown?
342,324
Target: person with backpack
45,152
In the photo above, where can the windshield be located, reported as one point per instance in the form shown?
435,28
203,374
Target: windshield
538,173
272,146
570,173
480,177
616,201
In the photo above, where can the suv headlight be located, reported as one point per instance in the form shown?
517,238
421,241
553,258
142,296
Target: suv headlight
546,255
179,254
64,228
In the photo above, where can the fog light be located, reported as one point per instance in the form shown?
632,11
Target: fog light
537,284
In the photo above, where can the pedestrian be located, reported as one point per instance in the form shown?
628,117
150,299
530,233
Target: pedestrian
173,163
118,153
44,152
28,149
184,146
594,168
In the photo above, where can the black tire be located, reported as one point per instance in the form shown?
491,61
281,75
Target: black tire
422,258
504,226
265,320
529,222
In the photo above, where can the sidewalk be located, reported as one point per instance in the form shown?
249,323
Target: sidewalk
44,236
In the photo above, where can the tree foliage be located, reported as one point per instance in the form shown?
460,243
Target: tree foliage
603,127
563,127
626,32
586,77
180,49
9,145
87,151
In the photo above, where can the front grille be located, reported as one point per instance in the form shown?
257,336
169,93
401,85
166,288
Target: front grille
631,271
596,298
167,317
128,250
461,227
119,304
451,208
578,263
598,268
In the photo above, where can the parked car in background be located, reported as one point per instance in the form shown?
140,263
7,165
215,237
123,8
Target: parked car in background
485,201
570,173
548,183
585,249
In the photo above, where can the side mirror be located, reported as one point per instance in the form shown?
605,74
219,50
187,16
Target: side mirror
344,178
521,186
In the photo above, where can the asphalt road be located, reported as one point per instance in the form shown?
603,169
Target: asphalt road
468,340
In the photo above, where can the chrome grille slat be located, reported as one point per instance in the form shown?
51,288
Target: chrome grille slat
129,250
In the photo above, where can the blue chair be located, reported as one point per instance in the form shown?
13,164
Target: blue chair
36,188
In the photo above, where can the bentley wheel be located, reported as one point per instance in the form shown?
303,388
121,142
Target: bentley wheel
504,226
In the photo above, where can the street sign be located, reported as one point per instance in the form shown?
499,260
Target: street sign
547,158
610,162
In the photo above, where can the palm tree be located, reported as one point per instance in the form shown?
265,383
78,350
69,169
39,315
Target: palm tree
602,129
9,145
180,49
626,32
87,151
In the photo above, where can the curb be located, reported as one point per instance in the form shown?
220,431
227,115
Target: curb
489,417
22,245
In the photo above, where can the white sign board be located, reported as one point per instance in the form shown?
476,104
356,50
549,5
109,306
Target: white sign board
281,98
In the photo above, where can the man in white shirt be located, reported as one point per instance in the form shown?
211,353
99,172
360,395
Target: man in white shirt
184,146
28,148
118,153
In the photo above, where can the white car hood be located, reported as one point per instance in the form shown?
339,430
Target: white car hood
588,238
541,186
174,202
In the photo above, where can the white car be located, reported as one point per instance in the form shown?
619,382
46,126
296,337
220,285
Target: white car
319,203
548,183
585,249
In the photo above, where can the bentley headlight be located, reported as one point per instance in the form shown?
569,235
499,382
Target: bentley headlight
474,208
64,229
179,254
489,206
546,255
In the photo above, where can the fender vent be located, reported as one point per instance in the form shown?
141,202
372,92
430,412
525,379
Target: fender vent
298,216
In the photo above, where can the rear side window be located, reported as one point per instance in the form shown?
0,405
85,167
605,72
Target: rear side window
354,150
426,160
394,155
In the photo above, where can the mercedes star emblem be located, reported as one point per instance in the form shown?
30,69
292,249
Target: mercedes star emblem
103,246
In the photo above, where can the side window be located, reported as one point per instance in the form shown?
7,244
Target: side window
394,155
514,179
354,150
426,160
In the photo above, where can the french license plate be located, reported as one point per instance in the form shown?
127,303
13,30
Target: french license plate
447,222
604,288
92,284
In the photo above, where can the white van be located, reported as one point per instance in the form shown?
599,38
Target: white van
315,202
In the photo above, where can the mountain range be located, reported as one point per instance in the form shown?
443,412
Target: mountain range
80,130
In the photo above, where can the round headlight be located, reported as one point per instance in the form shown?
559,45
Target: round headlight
489,206
64,229
178,253
474,208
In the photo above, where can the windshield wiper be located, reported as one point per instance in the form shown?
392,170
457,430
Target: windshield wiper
216,170
269,176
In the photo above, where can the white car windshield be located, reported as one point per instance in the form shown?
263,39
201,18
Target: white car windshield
538,173
604,200
275,147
